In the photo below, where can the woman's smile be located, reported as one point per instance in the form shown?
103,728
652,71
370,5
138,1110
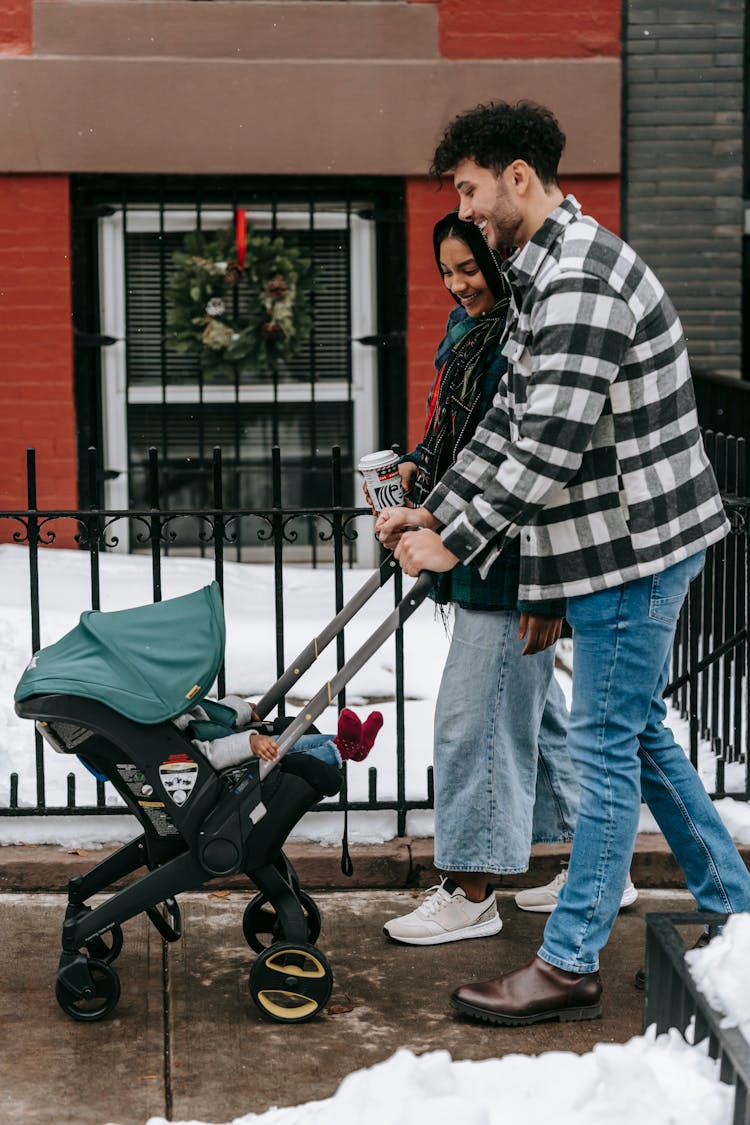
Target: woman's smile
469,299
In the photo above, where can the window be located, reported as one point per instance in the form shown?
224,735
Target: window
151,396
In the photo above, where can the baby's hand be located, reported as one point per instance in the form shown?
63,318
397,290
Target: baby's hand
263,746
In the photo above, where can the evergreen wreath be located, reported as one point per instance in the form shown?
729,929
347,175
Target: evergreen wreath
233,317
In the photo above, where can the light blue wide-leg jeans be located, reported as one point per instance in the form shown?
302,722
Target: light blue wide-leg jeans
556,791
500,749
622,642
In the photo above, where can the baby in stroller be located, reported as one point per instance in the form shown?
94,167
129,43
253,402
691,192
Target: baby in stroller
127,693
245,731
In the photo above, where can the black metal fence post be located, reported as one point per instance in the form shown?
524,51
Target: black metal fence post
217,538
338,555
277,525
32,533
93,527
400,717
155,524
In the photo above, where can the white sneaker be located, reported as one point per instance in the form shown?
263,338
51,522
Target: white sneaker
543,900
447,915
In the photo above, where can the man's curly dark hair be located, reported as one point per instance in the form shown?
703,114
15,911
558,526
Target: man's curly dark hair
496,134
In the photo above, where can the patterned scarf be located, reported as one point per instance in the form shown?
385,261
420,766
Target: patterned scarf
453,409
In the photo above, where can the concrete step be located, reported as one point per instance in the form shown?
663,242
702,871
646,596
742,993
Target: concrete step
401,863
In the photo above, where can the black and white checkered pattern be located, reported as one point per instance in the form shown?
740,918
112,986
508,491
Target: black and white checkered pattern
591,450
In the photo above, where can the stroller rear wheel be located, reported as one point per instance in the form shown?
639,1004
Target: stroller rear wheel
261,918
104,994
291,982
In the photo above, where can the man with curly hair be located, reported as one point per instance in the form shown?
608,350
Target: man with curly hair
592,454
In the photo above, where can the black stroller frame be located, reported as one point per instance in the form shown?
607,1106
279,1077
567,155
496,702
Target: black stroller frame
224,829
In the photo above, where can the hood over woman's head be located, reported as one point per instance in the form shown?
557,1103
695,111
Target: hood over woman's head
450,226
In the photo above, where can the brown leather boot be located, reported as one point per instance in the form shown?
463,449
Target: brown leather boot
536,992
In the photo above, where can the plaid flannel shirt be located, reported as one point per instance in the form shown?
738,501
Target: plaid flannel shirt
464,585
591,450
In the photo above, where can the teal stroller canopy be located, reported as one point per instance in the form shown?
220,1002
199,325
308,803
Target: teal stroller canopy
151,663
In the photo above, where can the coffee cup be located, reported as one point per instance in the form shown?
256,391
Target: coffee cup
383,480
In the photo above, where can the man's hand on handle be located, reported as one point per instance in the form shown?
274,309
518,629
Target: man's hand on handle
393,522
423,550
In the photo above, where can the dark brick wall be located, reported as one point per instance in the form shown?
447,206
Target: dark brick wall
683,181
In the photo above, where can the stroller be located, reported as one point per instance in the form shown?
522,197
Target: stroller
108,692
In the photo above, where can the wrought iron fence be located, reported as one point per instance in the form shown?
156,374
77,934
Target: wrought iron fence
673,1000
156,530
710,670
710,664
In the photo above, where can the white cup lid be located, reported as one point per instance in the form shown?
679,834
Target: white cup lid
377,460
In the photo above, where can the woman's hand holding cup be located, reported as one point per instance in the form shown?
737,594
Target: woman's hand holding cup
407,471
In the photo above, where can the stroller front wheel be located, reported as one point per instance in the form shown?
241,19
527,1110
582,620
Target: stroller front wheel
291,982
104,994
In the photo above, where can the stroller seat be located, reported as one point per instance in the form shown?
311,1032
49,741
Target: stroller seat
107,692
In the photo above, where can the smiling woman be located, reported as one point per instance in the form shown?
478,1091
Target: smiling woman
463,277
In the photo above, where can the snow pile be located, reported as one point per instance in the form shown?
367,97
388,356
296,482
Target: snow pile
662,1081
720,970
735,816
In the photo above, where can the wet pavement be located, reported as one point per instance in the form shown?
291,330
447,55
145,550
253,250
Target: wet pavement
186,1040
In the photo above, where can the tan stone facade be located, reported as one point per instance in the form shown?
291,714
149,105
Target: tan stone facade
281,88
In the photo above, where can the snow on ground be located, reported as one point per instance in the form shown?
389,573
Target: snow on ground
719,970
662,1081
64,592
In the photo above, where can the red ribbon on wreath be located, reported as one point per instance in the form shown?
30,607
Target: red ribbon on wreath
240,222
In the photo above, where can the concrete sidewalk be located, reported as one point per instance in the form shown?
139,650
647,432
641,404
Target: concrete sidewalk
186,1040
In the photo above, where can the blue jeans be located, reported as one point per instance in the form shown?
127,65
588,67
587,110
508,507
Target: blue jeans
319,746
503,775
622,644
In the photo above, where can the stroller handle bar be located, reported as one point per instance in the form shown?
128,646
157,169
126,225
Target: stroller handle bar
398,616
312,651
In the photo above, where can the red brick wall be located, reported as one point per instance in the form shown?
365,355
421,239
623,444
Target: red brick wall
429,305
528,29
15,27
36,352
496,29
